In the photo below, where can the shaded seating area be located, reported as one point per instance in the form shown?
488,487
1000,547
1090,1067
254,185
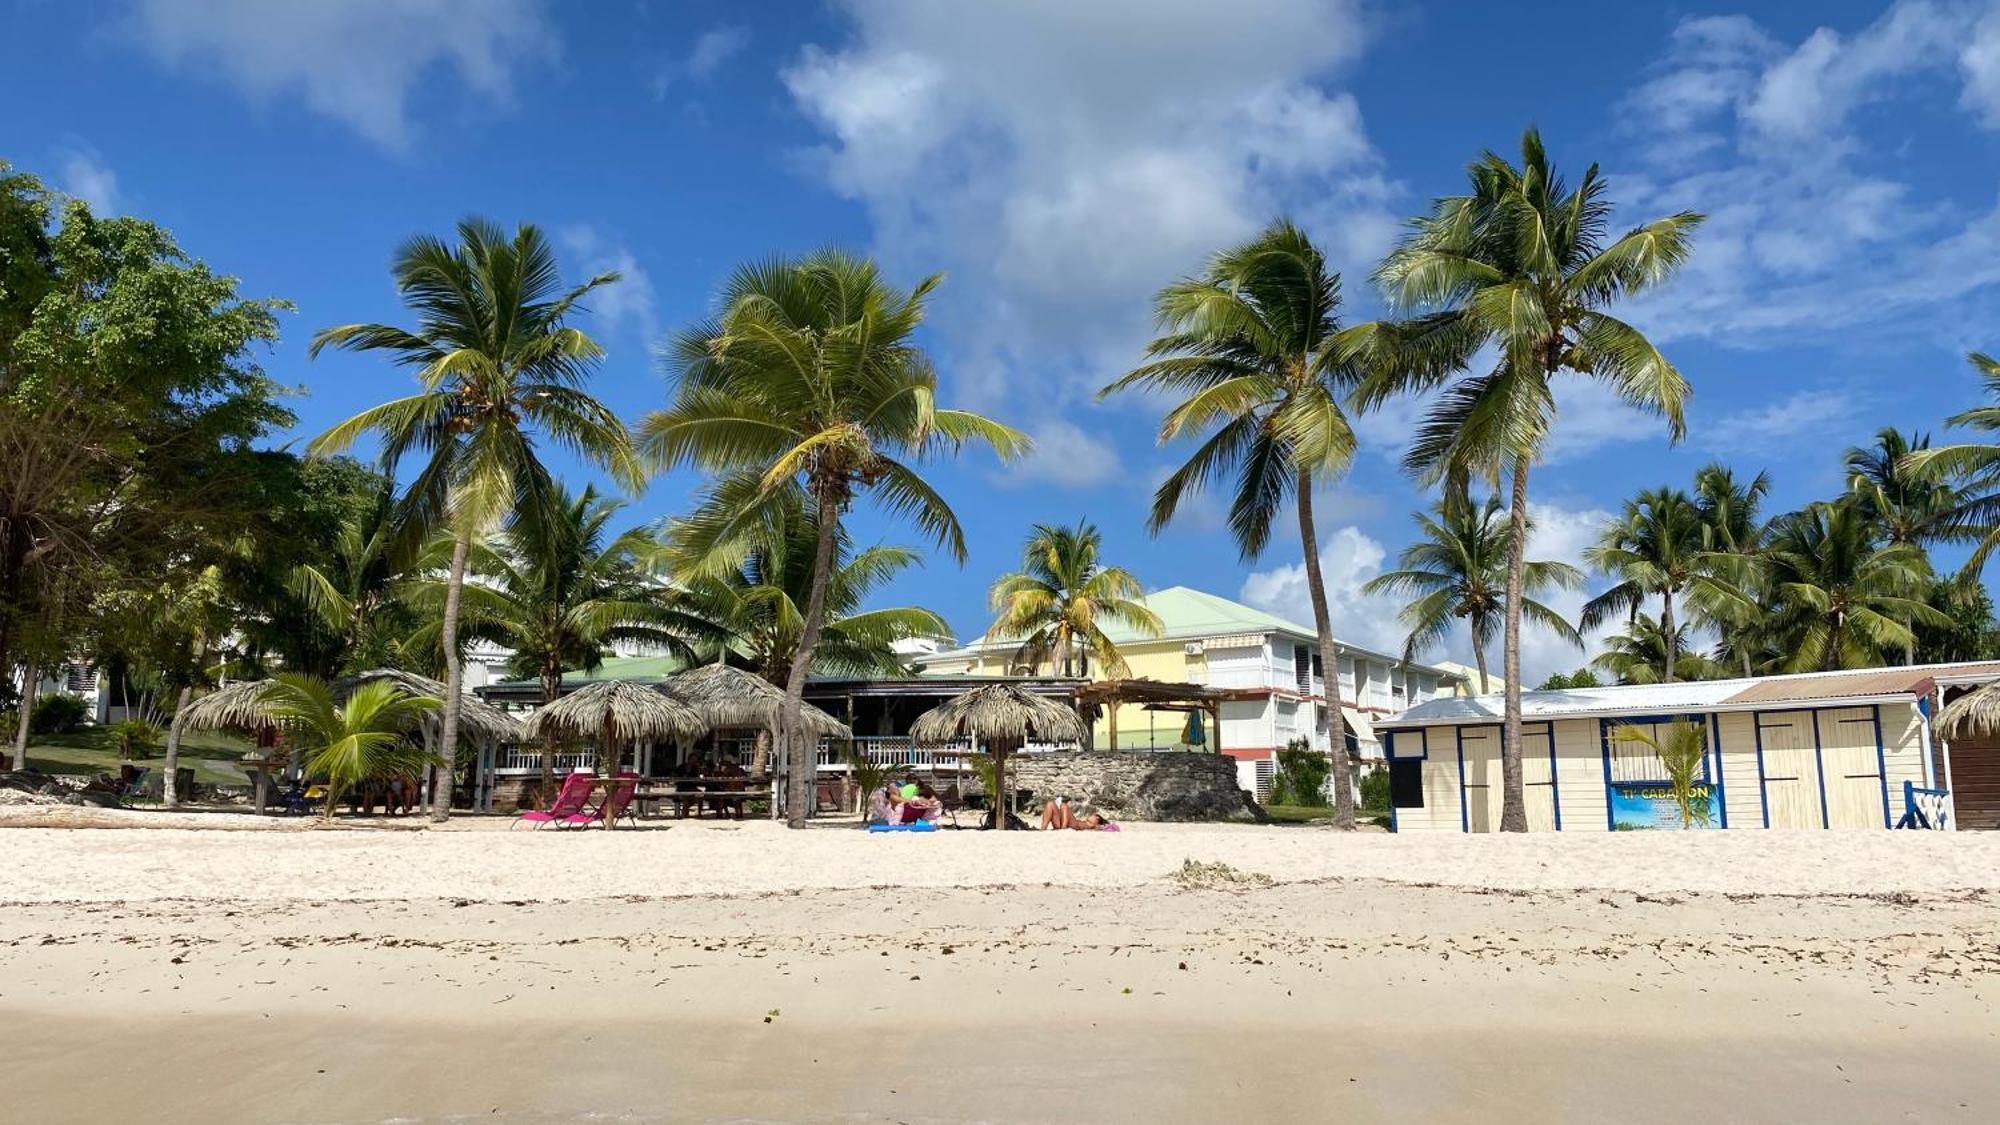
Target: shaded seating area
1201,705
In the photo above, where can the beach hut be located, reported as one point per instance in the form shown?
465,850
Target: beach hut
1002,716
1858,749
726,696
616,713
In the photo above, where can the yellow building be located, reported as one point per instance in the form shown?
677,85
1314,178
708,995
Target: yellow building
1269,667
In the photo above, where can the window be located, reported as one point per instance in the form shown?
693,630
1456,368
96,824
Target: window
1301,665
1406,783
1634,763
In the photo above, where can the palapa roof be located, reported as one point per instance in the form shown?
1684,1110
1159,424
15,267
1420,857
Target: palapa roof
626,711
1974,714
239,706
1002,711
727,696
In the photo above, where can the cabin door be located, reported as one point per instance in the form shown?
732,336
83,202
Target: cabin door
1853,766
1479,749
1538,777
1791,770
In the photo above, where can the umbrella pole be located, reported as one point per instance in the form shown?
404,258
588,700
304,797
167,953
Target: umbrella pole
1002,806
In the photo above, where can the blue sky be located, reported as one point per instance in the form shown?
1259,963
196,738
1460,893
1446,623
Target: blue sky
1060,160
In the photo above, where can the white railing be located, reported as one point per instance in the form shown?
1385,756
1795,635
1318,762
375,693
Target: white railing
517,759
895,750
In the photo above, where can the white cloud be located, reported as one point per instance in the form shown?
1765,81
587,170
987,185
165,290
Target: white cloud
355,61
628,302
1350,557
1065,455
1809,227
711,51
1063,161
1779,425
87,177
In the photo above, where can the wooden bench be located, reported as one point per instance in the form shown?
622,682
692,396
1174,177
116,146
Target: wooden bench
731,795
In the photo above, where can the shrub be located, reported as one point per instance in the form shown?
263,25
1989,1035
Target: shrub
134,738
1301,776
57,714
1375,791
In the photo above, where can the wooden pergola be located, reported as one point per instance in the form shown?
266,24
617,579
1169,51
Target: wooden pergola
1153,695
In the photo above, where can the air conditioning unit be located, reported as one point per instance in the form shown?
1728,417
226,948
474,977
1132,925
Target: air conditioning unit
1192,648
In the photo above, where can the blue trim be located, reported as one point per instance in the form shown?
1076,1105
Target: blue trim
1721,774
1819,764
1389,745
1604,749
1555,775
1882,768
1464,808
1763,786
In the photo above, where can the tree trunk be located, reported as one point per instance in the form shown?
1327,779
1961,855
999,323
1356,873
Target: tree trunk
32,681
1667,634
170,794
1001,805
1479,659
1513,800
1330,721
800,755
454,680
551,691
760,754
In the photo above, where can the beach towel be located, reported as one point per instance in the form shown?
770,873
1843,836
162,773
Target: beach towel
918,826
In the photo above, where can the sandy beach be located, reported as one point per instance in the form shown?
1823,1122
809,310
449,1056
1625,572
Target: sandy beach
744,973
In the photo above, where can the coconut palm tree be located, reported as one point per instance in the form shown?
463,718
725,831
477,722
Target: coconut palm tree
364,737
1909,505
1058,603
1252,349
1639,655
1973,466
1842,593
808,390
1658,549
556,594
500,369
1520,263
1733,533
357,592
1457,570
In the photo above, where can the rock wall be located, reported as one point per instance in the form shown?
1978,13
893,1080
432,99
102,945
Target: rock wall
1142,785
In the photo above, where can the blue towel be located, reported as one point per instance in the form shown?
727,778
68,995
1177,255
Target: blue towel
919,826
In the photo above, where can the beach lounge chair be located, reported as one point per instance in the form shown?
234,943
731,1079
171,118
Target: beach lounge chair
569,802
617,802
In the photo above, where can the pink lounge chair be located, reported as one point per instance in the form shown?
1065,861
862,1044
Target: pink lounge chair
570,799
617,802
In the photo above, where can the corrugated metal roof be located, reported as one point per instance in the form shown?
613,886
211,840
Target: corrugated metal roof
1859,685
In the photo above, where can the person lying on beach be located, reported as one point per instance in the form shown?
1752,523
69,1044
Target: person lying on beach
1058,814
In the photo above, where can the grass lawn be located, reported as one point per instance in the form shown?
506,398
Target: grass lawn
87,751
1306,814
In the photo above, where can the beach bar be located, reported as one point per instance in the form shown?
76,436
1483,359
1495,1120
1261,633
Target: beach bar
1834,750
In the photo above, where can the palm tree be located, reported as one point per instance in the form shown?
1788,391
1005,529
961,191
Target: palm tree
1657,549
363,738
1519,263
1910,506
556,594
1058,603
1457,570
1974,465
1254,347
1842,593
499,368
1733,534
1639,655
358,589
808,389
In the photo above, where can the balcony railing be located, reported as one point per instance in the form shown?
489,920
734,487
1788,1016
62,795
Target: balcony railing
515,759
904,752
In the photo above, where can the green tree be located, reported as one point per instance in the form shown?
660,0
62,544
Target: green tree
1973,466
1563,681
1639,655
356,592
1252,349
1910,506
1681,747
1844,595
365,737
1733,534
1658,548
1971,633
1457,571
1058,603
808,390
1520,263
499,368
129,396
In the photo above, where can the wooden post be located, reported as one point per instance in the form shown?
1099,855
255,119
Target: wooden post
1002,802
1111,709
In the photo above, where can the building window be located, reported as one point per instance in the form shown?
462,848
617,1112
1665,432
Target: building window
1406,783
1301,667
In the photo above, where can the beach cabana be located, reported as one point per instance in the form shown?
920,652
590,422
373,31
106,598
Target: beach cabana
726,696
1002,717
616,713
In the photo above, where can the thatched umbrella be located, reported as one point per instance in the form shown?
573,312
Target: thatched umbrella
476,717
1972,715
727,696
1003,716
239,706
615,712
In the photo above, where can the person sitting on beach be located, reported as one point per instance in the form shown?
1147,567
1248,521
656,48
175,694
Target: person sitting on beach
908,805
1058,814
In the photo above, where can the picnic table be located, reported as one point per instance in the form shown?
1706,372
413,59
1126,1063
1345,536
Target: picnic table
729,795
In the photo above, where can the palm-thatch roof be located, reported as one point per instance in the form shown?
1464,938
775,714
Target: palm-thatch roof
239,706
616,709
727,696
1972,715
1004,712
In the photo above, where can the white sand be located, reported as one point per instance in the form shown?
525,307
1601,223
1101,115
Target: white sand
482,861
334,976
